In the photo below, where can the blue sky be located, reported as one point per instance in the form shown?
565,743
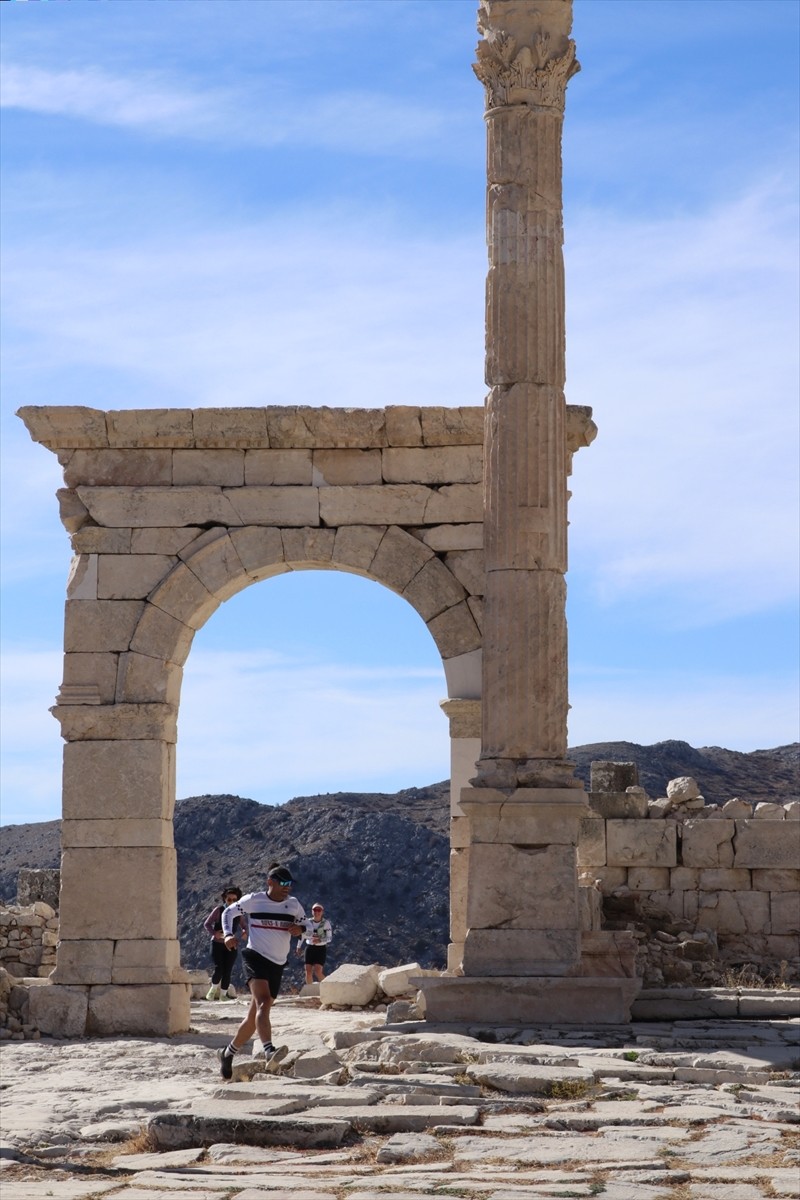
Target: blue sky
282,202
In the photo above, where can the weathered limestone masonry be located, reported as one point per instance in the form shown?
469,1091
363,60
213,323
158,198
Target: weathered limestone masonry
515,837
730,873
170,513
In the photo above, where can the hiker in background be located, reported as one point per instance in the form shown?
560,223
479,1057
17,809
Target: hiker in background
223,957
273,919
314,943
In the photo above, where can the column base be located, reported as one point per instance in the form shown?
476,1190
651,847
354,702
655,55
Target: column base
511,1000
149,1010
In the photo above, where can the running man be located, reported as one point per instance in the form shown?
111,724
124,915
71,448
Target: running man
273,918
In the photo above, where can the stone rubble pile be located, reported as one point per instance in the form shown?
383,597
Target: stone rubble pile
28,939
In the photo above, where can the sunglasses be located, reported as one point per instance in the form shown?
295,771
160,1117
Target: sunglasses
287,883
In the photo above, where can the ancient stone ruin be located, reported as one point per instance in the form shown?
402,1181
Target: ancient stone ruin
461,511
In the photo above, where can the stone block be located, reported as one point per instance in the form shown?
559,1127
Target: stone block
433,589
454,503
707,843
59,1011
183,596
645,843
95,672
116,832
649,879
278,468
724,880
782,947
453,426
619,806
223,468
115,468
146,873
344,468
737,808
522,887
767,844
82,578
399,559
455,631
96,626
529,816
162,541
356,545
791,811
452,537
518,952
684,879
265,505
734,912
463,675
469,568
606,776
321,426
673,902
515,1001
147,960
459,876
109,780
350,985
781,879
396,981
591,842
215,562
142,679
84,962
590,908
162,636
260,551
111,722
145,507
130,576
146,1010
150,427
683,788
403,425
94,540
785,913
764,811
433,465
65,425
239,427
384,504
308,548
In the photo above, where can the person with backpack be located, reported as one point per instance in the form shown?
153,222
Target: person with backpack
314,943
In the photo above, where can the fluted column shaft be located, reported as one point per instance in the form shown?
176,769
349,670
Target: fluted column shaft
524,62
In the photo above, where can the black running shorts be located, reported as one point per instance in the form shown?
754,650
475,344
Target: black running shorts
316,955
258,967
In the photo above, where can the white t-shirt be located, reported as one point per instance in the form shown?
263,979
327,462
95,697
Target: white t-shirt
268,923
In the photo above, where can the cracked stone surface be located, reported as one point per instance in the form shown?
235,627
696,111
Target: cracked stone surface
436,1112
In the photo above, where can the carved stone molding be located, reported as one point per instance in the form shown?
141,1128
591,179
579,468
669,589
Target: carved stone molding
532,75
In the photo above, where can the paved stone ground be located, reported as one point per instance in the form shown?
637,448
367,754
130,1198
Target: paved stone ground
682,1110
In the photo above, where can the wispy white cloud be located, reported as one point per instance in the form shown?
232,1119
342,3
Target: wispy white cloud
265,113
683,339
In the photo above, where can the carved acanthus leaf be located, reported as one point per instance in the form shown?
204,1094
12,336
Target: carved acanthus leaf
524,76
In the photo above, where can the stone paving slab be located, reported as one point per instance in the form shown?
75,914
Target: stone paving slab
404,1118
176,1131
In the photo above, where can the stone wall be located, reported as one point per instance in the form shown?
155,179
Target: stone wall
28,939
714,887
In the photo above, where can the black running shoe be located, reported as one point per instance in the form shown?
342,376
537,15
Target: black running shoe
225,1064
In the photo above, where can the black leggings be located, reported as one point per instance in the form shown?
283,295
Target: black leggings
223,964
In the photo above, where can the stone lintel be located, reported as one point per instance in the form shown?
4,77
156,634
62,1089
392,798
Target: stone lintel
511,1000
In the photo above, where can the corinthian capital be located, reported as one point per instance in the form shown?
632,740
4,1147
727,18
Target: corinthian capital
526,56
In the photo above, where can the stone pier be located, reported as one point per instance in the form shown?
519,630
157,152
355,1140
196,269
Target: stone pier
517,827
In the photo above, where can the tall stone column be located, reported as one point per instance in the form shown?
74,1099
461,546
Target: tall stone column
524,62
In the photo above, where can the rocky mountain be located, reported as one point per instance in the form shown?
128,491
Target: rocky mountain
378,862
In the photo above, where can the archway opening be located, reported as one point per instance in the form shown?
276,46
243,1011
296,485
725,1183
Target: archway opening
308,703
